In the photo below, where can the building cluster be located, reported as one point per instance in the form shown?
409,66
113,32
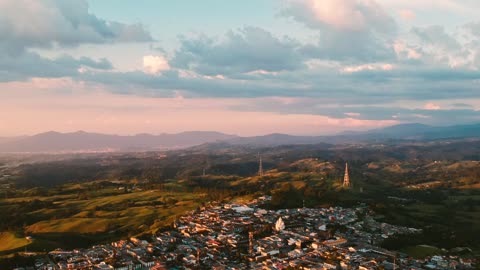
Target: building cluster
231,236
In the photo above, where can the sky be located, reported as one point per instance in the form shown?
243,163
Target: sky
251,67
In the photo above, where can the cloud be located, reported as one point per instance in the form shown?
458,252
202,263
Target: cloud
30,64
438,47
172,81
337,46
246,50
405,51
453,6
358,68
342,15
155,64
461,105
342,23
29,24
367,84
407,14
473,28
378,112
352,114
436,36
431,106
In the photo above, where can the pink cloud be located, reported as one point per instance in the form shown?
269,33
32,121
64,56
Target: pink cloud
342,14
407,14
431,106
364,67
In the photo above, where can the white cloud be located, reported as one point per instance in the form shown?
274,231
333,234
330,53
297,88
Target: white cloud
402,50
468,6
339,13
341,24
248,49
343,15
262,72
155,64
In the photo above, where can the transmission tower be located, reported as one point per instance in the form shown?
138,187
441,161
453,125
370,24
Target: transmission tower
260,165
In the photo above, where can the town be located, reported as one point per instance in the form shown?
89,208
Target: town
247,236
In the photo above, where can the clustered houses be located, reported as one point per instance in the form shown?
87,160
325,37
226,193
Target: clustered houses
231,236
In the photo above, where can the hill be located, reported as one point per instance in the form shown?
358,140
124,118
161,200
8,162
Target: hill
425,132
402,132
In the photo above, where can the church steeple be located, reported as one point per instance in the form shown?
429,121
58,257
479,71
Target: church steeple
346,177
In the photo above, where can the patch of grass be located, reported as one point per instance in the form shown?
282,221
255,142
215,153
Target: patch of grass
299,184
422,251
10,241
123,212
245,198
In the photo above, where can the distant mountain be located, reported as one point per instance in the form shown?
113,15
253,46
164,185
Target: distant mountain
401,130
424,132
4,140
9,139
84,141
278,139
413,131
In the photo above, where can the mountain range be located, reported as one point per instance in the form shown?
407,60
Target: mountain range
416,132
88,142
81,141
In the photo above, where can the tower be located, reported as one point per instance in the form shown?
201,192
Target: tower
346,178
260,165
